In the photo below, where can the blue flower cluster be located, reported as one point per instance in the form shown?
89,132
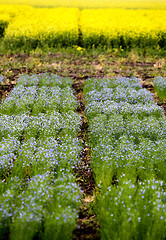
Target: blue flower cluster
31,96
28,81
8,149
12,125
128,139
1,79
38,150
160,87
19,101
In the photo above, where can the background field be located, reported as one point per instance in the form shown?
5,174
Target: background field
91,3
87,24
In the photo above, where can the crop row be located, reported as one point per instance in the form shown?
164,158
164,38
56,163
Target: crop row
28,28
128,139
39,149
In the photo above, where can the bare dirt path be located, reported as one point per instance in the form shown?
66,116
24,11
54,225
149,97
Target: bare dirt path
87,223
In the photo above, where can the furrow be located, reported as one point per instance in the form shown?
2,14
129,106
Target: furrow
87,223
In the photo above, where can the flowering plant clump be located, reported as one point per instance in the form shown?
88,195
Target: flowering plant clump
27,80
128,139
28,97
12,125
110,107
39,149
19,101
8,153
160,87
111,84
1,79
54,80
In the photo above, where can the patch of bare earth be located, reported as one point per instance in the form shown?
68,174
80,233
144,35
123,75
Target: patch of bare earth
5,88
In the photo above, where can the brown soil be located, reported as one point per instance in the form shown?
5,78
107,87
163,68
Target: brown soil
5,89
88,227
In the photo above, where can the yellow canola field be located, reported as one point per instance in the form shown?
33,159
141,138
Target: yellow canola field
9,12
160,4
47,26
14,10
6,14
106,25
38,27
